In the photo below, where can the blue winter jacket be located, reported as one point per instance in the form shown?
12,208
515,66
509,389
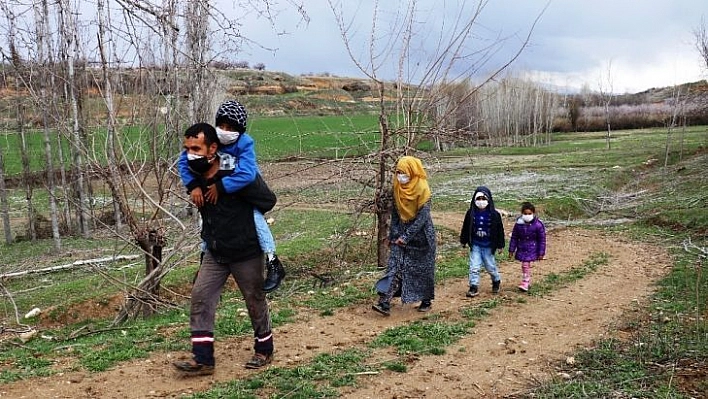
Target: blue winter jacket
496,234
242,152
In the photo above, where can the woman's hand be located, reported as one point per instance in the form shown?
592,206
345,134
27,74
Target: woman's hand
399,241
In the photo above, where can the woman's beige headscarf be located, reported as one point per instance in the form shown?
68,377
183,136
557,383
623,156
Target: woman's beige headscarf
410,197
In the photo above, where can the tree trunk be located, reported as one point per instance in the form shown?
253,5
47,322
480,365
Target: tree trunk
103,37
41,10
26,174
4,206
69,50
382,195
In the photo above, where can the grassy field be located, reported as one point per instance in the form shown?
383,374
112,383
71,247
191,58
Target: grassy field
574,179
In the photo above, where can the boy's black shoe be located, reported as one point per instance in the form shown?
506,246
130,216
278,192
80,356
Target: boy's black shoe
425,306
472,292
276,273
496,286
382,307
192,368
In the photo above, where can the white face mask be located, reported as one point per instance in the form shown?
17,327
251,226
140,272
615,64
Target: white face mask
226,137
193,157
527,218
403,178
481,204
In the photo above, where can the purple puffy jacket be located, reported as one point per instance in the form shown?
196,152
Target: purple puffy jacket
528,240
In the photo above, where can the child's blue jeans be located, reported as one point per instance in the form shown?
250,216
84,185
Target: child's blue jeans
265,237
481,256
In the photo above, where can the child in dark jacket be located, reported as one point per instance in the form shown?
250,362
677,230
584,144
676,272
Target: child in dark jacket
237,154
528,242
483,231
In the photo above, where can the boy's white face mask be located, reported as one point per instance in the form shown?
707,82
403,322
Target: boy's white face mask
226,137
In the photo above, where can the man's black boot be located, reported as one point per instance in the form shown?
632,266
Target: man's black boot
276,273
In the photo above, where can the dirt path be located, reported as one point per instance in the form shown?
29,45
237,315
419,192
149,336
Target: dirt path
506,351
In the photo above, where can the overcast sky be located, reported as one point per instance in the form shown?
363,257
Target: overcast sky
631,45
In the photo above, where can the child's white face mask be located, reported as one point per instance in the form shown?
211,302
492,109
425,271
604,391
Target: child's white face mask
527,218
226,137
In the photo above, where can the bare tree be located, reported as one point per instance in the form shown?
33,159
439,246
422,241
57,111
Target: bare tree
605,88
677,110
44,101
700,33
69,54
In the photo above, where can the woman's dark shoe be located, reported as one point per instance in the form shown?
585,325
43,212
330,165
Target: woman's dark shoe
276,273
192,368
382,307
259,360
425,306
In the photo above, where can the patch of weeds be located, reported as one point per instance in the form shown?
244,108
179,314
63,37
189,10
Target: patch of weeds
26,367
232,319
451,268
319,378
335,297
422,337
397,367
552,281
481,309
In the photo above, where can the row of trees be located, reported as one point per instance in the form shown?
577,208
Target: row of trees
107,156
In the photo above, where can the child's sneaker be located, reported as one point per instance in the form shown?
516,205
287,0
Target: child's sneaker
496,286
382,307
524,286
276,273
472,292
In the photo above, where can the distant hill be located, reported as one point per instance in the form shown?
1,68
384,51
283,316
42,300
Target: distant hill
344,89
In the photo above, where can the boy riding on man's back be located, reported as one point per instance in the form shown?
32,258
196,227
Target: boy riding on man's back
237,153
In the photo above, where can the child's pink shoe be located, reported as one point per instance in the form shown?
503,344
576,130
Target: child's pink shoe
524,286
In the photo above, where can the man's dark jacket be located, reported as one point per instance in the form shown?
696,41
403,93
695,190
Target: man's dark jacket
228,228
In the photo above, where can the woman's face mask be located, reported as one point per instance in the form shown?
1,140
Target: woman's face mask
481,204
226,137
403,178
527,218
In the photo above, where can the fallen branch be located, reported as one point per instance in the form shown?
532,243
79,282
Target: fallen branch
72,265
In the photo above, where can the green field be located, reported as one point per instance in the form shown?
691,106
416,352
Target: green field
572,180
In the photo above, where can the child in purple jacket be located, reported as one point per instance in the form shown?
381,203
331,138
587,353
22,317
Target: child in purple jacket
528,242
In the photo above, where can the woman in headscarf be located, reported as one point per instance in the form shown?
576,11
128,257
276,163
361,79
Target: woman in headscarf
411,262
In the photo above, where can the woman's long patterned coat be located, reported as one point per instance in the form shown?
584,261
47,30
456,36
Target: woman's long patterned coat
415,260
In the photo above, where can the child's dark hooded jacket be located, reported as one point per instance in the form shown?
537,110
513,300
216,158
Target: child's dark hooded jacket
496,229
